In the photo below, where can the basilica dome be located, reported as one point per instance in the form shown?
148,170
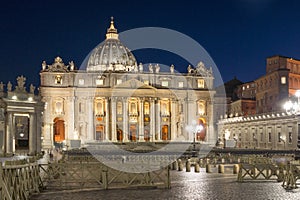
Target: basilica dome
111,54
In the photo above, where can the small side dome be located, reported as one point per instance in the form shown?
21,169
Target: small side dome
111,55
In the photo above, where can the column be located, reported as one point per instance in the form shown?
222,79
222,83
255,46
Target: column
173,119
38,129
141,120
90,119
9,134
152,119
70,119
32,134
107,116
113,119
48,124
125,119
157,120
211,132
191,115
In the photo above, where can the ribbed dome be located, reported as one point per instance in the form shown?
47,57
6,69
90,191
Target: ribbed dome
111,54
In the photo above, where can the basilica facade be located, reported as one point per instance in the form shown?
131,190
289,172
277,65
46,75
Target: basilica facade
113,98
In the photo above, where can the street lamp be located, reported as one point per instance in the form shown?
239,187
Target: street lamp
194,128
293,107
282,139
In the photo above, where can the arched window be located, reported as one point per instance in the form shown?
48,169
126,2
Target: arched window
58,107
146,108
133,108
99,108
201,108
119,108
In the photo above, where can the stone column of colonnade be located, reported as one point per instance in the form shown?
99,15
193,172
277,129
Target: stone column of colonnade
141,121
107,116
9,133
152,119
125,119
157,120
32,134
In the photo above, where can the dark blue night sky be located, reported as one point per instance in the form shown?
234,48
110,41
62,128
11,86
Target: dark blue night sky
238,34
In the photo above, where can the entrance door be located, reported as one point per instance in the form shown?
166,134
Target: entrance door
132,133
21,132
119,134
100,134
59,130
165,132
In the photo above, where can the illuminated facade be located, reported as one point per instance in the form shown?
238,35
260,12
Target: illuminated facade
20,118
115,99
262,131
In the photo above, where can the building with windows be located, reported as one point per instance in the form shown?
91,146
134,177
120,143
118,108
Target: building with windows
113,98
20,118
258,119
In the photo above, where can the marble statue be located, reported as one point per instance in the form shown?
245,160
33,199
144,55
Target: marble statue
150,68
44,65
71,65
9,86
157,68
1,86
141,67
32,88
172,68
21,82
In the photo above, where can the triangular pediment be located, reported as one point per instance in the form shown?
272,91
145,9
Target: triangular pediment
134,84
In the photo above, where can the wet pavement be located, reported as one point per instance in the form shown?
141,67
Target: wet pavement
187,185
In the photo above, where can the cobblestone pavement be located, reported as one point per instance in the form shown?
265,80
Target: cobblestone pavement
187,186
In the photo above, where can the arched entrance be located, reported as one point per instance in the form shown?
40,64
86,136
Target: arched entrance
119,134
59,130
165,132
201,134
132,132
100,134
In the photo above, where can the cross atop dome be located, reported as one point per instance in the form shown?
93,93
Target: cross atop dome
112,32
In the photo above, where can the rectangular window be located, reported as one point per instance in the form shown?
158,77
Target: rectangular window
180,84
279,137
99,82
165,83
81,81
58,79
200,83
119,81
290,137
283,80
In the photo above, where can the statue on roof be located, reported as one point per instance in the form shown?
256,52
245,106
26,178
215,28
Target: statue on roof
32,88
71,65
157,68
150,68
9,86
21,82
1,86
172,68
44,65
141,67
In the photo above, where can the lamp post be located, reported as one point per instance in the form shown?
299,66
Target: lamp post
282,139
194,128
293,107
